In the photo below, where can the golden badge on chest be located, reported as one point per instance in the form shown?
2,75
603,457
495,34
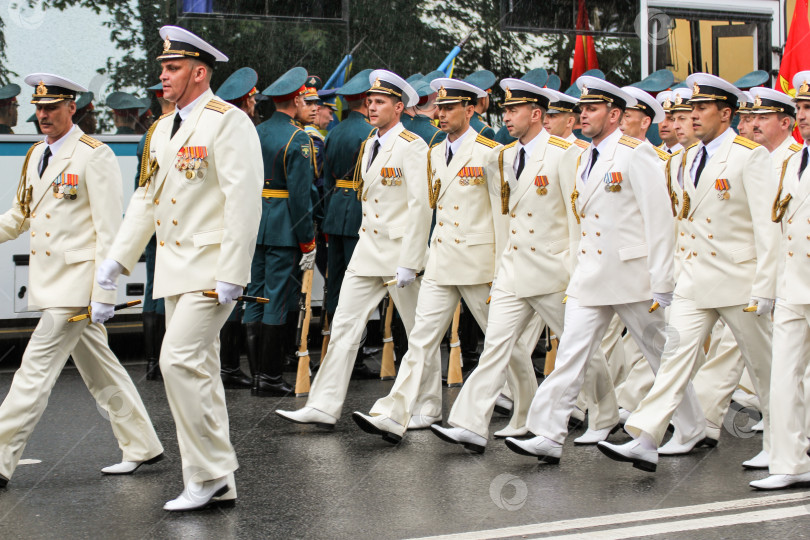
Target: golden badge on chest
471,176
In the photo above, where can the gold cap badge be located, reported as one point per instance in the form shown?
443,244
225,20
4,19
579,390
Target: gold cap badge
41,89
695,88
508,93
678,99
376,83
804,87
667,103
757,101
167,44
442,92
584,90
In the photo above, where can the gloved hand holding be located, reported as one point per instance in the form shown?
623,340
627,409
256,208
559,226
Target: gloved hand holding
101,312
764,305
227,292
108,273
663,299
405,276
307,261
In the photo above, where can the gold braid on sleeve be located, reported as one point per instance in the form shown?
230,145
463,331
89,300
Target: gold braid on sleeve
433,187
149,167
505,189
25,193
574,197
780,206
357,179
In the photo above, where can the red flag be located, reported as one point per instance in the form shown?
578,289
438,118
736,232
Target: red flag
584,48
797,53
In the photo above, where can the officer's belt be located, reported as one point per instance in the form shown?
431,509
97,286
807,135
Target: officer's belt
275,194
346,184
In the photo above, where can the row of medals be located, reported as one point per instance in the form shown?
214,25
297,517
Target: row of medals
191,164
62,192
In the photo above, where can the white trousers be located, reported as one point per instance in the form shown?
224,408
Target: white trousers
719,376
53,340
473,407
417,389
689,326
359,297
189,361
585,328
788,405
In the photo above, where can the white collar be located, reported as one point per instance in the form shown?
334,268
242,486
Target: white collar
528,148
715,144
388,133
455,145
185,111
56,145
610,139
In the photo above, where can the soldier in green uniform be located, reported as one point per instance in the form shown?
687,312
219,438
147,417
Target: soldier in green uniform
125,108
343,210
85,115
154,313
313,129
8,108
286,239
422,123
239,89
483,79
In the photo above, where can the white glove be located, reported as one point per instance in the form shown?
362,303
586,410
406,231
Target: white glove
405,276
101,312
764,305
664,299
307,261
227,292
107,274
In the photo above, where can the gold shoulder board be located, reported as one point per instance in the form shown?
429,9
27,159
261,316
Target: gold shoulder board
510,145
629,141
794,147
582,144
562,143
663,154
748,143
489,143
218,106
408,136
90,141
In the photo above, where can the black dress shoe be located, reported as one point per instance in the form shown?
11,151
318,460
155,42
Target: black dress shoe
361,372
235,378
3,481
267,386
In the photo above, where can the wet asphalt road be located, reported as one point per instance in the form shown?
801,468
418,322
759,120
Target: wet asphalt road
301,482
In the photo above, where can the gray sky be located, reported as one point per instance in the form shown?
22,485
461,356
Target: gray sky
71,43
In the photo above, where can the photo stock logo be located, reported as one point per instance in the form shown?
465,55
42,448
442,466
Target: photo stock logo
658,26
508,492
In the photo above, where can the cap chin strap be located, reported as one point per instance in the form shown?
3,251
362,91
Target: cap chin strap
185,89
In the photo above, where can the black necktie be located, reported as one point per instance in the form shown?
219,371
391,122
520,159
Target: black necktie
176,125
669,151
449,155
701,164
521,161
594,157
46,157
803,166
374,149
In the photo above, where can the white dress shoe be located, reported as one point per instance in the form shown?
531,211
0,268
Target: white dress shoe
675,448
593,436
632,452
390,430
199,495
503,405
509,431
129,467
782,481
538,447
624,414
420,421
309,415
759,461
464,437
759,426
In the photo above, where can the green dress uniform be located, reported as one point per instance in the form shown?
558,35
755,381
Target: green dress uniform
503,137
479,125
8,97
343,213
